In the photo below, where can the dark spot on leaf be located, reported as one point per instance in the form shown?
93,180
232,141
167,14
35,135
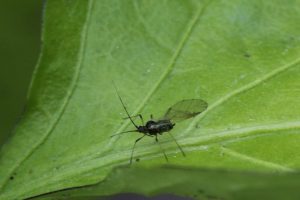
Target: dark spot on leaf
137,160
200,191
247,55
11,178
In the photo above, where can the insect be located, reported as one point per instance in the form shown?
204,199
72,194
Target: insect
182,110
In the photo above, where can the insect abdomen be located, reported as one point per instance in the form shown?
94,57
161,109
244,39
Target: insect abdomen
159,126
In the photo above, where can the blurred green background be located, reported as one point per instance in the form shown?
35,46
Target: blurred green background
20,43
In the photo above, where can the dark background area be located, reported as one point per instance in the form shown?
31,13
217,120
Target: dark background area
20,23
20,44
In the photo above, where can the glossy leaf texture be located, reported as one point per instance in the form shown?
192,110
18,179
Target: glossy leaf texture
242,57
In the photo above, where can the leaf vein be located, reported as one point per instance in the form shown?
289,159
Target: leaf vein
255,161
243,89
171,65
67,98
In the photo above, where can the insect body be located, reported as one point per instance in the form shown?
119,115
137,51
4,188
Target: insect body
182,110
156,127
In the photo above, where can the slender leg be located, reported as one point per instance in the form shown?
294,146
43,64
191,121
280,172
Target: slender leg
134,147
123,132
177,144
156,139
139,115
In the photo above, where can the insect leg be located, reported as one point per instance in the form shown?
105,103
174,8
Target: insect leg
123,132
134,147
177,143
139,115
156,139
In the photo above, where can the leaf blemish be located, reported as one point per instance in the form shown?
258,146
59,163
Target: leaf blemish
247,55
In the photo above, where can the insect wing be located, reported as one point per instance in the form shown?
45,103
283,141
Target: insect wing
185,109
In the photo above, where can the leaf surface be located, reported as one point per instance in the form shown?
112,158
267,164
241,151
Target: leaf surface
204,184
242,57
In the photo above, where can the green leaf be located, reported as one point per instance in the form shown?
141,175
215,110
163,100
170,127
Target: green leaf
201,184
242,57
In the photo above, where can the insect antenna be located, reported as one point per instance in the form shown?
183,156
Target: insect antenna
123,132
124,107
177,143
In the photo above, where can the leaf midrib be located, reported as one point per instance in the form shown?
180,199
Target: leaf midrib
122,156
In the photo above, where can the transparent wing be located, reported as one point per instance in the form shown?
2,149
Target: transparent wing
185,109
